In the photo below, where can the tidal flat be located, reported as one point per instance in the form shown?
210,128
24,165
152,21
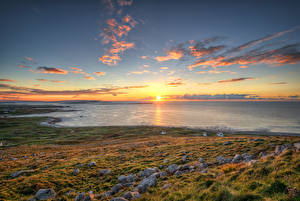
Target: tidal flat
87,163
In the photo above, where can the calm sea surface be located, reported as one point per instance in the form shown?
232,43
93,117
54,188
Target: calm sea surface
239,116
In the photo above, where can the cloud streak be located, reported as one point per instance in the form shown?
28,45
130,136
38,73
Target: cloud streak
236,80
50,70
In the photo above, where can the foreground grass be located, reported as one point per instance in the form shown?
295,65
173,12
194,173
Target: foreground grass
51,154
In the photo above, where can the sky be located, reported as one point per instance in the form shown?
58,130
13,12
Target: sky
138,50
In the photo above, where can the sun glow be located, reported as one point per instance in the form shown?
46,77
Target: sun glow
158,98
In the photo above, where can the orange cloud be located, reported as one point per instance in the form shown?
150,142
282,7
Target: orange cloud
28,58
7,80
121,47
164,68
23,66
172,54
110,59
77,70
56,81
144,57
51,70
89,77
138,72
100,73
175,83
236,79
243,66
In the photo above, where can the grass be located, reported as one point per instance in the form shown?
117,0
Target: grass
53,153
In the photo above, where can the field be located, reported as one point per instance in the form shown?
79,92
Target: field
48,156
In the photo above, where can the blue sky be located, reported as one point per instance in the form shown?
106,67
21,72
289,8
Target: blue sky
64,34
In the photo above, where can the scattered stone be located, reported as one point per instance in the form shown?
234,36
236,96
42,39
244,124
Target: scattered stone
252,162
184,167
116,188
262,155
184,158
222,160
203,165
18,173
131,195
80,197
178,173
45,194
297,146
201,160
69,192
146,183
172,168
247,157
147,172
281,148
104,172
166,161
118,199
92,164
227,143
163,174
166,186
204,171
126,179
75,171
237,158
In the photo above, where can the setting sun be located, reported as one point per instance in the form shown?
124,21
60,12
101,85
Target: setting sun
158,98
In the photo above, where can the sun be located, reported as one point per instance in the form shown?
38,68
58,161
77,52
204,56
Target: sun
158,98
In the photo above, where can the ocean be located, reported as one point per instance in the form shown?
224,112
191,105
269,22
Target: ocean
279,117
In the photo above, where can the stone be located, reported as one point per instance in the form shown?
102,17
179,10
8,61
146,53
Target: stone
203,165
80,197
281,148
75,171
178,173
147,172
146,183
297,146
126,179
163,174
204,171
104,172
222,160
116,188
172,168
184,167
184,158
237,158
16,174
131,195
247,157
92,163
45,194
227,143
252,162
166,186
118,199
166,161
201,160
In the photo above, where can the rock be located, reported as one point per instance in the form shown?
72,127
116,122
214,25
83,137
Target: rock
178,173
227,143
147,172
172,168
16,174
184,167
116,188
201,160
166,161
75,171
184,158
80,197
237,158
258,139
131,195
118,199
204,171
281,148
126,179
252,162
203,165
166,186
146,183
45,194
247,157
297,146
104,172
92,163
222,160
163,174
107,194
156,174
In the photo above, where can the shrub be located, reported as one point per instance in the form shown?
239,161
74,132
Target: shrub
276,187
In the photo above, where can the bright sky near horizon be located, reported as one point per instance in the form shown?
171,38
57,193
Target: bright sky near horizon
128,50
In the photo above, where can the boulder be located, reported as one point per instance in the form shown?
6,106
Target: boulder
118,199
92,163
147,172
104,172
237,158
163,174
297,146
201,160
166,186
204,171
146,183
45,194
222,160
116,188
83,197
184,158
281,148
126,179
75,172
178,173
131,195
172,168
227,143
247,157
184,167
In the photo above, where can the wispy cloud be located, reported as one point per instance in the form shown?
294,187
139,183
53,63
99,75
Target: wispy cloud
236,79
175,83
7,80
28,58
164,68
55,81
50,70
125,2
88,77
23,66
76,70
138,72
100,73
171,55
215,72
278,83
213,97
